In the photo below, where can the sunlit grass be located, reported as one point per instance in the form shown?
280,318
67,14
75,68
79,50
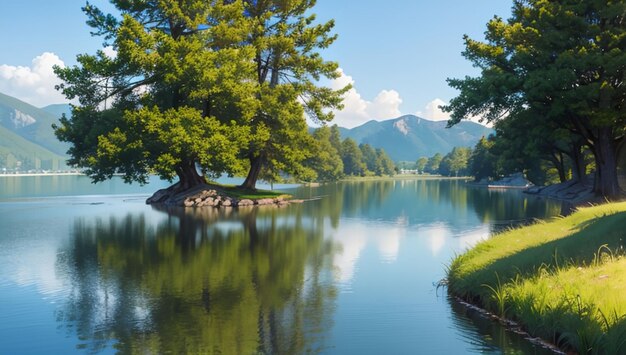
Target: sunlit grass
564,280
239,193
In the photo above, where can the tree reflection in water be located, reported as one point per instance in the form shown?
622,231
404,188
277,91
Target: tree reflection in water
201,281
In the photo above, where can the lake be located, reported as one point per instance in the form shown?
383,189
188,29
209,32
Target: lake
353,270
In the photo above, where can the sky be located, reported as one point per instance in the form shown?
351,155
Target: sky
397,54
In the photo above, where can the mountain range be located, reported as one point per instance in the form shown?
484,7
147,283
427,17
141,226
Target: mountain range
27,137
409,137
27,140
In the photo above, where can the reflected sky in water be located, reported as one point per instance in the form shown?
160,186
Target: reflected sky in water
351,271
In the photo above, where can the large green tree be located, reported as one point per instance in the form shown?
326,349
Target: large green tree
384,164
352,158
456,162
176,96
564,59
420,164
482,162
432,165
288,66
326,161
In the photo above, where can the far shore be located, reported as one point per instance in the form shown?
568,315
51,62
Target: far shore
404,177
39,174
352,178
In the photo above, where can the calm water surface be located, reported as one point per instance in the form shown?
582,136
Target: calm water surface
91,268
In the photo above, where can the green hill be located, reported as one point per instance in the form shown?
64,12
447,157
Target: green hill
59,110
409,137
31,123
27,140
14,149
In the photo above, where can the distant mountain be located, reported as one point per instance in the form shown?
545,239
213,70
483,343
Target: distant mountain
26,135
59,110
409,137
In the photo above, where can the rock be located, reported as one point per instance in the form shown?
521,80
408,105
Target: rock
204,196
246,202
570,191
159,196
264,201
208,193
534,190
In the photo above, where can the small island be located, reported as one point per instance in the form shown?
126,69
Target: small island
214,195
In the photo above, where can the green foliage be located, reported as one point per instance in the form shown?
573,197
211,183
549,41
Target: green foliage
332,164
170,99
326,161
201,288
557,64
384,164
432,166
455,162
563,279
216,85
335,138
420,165
352,158
369,157
286,45
482,162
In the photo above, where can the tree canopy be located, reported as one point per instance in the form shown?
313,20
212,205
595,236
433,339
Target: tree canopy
219,85
560,63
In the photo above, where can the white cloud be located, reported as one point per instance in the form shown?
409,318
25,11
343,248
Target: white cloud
385,105
358,110
433,112
34,84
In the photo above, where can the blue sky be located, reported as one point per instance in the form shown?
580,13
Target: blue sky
397,56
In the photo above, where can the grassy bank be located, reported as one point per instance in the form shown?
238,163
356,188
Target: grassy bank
564,280
239,193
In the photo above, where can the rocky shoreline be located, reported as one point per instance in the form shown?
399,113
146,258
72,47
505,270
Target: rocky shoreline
212,196
571,191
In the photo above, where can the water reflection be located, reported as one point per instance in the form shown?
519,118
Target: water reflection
200,281
484,335
350,271
427,201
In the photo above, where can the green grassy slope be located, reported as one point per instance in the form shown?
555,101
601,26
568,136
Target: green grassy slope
40,133
24,150
563,280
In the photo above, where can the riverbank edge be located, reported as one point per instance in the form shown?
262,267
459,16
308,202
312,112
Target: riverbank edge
518,277
214,195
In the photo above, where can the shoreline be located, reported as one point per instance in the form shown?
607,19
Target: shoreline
553,278
40,174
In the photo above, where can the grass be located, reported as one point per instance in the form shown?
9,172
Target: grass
239,193
564,279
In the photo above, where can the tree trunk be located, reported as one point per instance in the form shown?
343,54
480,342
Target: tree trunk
188,175
256,164
579,167
604,150
557,161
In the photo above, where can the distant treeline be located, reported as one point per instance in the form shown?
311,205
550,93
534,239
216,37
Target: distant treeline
495,156
336,158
